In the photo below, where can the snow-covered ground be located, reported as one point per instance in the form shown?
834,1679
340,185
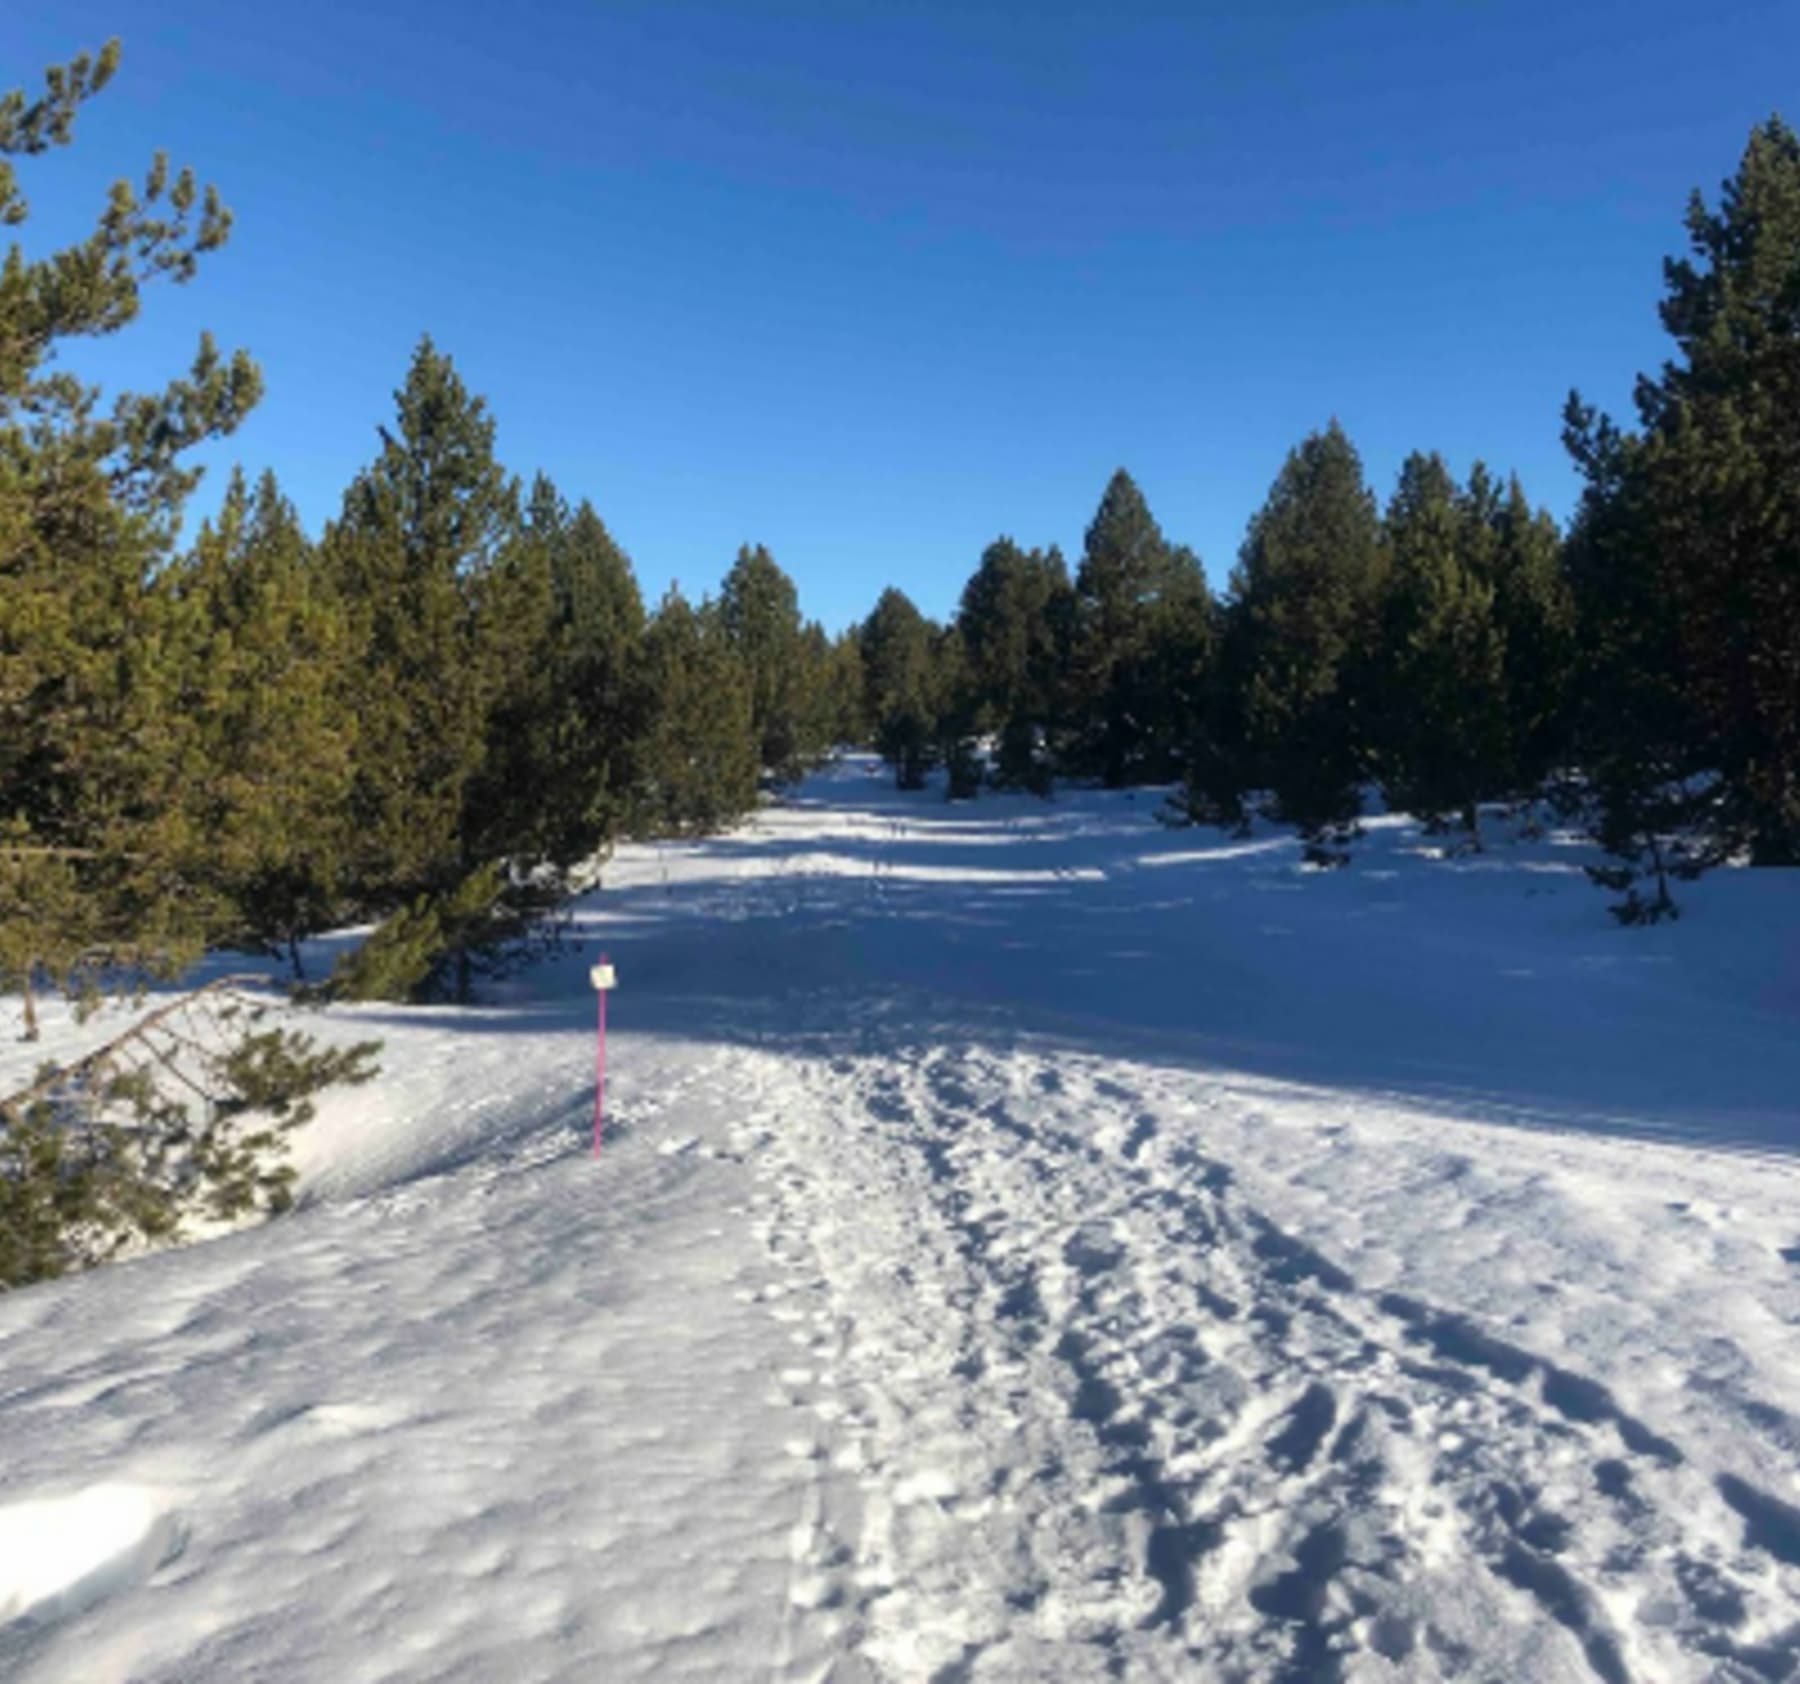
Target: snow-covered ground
1033,1244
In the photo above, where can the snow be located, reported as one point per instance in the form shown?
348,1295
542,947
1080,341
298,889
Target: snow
1030,1243
58,1555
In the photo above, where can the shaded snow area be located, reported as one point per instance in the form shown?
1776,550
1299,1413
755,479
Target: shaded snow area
1032,1245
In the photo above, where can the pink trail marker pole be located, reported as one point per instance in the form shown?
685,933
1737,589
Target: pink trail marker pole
604,979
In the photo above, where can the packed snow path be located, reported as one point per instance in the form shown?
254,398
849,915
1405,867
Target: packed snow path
1023,1254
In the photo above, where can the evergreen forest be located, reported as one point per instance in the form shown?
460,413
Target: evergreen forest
435,715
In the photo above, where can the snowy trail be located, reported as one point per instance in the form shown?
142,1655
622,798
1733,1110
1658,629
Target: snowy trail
1111,1419
1018,1256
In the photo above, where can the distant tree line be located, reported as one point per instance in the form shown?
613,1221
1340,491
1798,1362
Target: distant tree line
1428,650
1454,650
436,713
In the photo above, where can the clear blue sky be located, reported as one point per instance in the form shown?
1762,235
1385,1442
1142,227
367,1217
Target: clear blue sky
874,283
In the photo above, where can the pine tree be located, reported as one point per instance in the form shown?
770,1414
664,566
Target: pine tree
1183,667
1440,707
524,799
958,724
1535,611
1714,476
96,859
1685,561
818,700
267,745
420,529
846,703
489,923
600,616
699,758
900,678
1014,622
106,851
1646,759
760,611
1142,634
183,1114
1304,598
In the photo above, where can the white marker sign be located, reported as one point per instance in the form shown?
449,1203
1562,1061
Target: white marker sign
604,979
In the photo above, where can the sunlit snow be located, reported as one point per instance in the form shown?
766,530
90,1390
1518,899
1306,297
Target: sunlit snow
1033,1244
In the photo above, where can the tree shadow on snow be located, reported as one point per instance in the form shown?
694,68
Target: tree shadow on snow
1493,987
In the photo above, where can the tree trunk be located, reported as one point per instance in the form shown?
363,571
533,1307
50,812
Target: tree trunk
31,1016
1665,902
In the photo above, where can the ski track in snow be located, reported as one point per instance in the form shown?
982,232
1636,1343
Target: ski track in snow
904,1335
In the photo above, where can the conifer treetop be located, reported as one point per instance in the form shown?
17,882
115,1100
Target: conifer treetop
159,229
